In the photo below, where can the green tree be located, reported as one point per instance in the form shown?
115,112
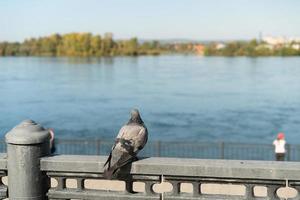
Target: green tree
95,44
107,44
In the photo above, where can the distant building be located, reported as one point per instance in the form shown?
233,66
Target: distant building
275,40
296,46
177,47
220,46
199,48
294,39
280,40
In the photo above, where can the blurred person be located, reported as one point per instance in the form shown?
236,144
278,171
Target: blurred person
279,144
52,141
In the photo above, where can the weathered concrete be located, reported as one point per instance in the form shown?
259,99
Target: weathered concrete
3,173
3,161
26,143
245,177
270,170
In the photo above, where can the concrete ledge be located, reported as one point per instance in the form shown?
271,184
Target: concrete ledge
231,169
93,194
3,161
3,192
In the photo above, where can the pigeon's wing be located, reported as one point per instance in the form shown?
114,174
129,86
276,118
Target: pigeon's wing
119,136
110,155
121,132
120,158
141,139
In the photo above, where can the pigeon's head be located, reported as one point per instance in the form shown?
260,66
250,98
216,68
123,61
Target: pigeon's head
135,117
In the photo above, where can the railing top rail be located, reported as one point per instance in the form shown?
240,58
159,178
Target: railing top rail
110,140
232,169
3,161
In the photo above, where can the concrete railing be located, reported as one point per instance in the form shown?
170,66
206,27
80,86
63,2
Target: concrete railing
3,173
30,168
152,171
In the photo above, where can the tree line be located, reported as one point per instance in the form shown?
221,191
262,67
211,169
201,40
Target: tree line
253,48
87,44
80,44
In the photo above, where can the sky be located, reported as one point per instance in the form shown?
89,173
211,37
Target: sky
151,19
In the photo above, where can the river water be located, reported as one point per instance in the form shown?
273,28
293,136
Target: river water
182,98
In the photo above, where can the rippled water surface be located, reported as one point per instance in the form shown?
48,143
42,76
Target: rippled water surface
180,97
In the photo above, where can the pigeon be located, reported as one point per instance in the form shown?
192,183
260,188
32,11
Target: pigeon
131,139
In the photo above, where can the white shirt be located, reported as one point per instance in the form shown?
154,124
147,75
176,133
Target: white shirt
279,146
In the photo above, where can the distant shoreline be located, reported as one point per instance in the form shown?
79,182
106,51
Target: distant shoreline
82,45
89,45
150,55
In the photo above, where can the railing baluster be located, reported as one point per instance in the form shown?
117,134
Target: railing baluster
176,188
129,186
61,183
149,188
271,190
196,188
80,183
249,191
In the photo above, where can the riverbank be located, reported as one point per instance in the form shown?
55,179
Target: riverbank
253,48
80,44
89,45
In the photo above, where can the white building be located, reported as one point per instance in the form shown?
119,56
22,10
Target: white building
280,40
275,40
220,46
296,46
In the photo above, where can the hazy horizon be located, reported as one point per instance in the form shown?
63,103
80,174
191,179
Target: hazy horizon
139,38
191,19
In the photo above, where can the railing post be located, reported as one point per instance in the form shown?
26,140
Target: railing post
98,146
26,143
288,152
222,150
158,149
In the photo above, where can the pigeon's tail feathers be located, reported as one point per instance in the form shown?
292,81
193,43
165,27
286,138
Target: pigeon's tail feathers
123,160
110,170
109,173
108,161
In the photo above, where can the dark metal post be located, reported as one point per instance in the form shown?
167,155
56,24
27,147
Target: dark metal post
158,148
222,150
98,146
26,143
288,152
